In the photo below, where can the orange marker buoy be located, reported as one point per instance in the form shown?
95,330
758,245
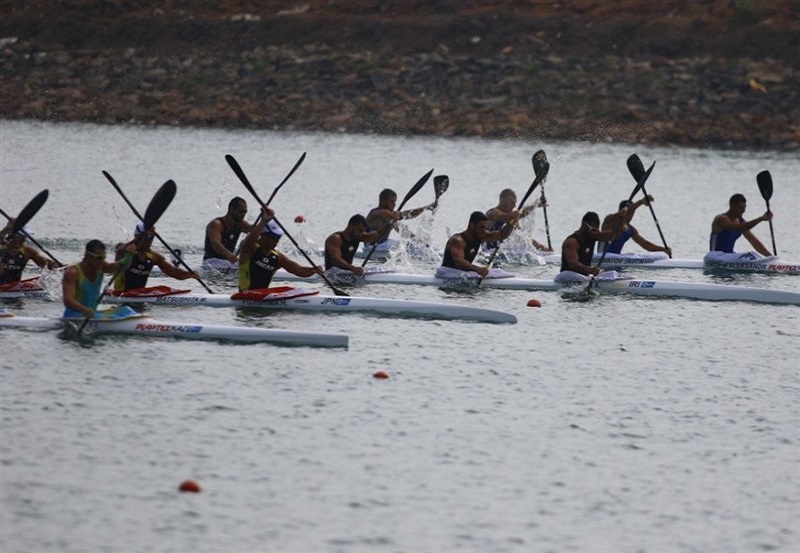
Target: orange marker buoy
189,486
381,374
299,219
534,303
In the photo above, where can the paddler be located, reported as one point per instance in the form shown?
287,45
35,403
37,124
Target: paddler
258,258
82,282
620,223
15,254
461,249
143,261
222,234
578,248
726,228
341,246
383,219
505,211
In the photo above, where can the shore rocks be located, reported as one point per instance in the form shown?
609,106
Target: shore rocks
459,71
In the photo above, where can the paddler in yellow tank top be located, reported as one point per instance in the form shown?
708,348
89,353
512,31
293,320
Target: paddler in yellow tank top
258,258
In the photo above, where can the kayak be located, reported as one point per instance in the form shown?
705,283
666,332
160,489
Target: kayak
123,320
639,287
288,298
644,261
28,288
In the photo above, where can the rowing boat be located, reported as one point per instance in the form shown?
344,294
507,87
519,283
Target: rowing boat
649,261
639,287
287,298
123,320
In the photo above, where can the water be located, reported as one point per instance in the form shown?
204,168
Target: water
616,425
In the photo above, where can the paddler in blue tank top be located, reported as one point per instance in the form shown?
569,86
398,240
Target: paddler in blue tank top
505,211
620,224
461,249
258,258
82,282
578,248
729,226
143,261
341,246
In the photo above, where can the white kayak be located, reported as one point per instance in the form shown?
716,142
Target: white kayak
287,298
28,288
123,320
645,261
641,287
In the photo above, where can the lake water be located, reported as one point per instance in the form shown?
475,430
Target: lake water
616,425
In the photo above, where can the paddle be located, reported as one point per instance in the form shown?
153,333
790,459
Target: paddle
540,168
414,189
440,185
158,205
242,177
136,212
764,180
546,222
26,215
639,186
636,167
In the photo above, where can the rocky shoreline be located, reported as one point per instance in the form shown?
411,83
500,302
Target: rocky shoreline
527,70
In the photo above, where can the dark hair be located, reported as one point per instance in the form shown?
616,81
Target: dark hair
737,199
92,246
477,217
591,218
357,219
386,193
625,203
236,200
506,192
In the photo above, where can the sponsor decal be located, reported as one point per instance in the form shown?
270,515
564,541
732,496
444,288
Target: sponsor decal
630,261
259,303
336,301
794,268
158,327
179,299
457,281
642,284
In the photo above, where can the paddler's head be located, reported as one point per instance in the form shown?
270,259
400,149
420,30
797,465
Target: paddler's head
237,209
142,239
270,235
95,253
478,223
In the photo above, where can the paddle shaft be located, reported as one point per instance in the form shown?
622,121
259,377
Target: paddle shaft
771,232
655,219
546,222
38,245
163,242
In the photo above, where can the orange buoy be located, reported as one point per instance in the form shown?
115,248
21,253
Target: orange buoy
299,219
189,486
534,303
381,374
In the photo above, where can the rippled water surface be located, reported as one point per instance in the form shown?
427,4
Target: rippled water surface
615,425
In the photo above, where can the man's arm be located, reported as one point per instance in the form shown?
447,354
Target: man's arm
723,222
295,268
39,259
650,246
171,270
756,243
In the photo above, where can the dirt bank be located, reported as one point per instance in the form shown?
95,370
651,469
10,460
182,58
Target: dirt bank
709,74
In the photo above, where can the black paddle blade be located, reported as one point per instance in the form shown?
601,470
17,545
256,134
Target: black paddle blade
416,188
540,163
636,167
29,211
159,204
242,177
764,180
440,185
640,182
